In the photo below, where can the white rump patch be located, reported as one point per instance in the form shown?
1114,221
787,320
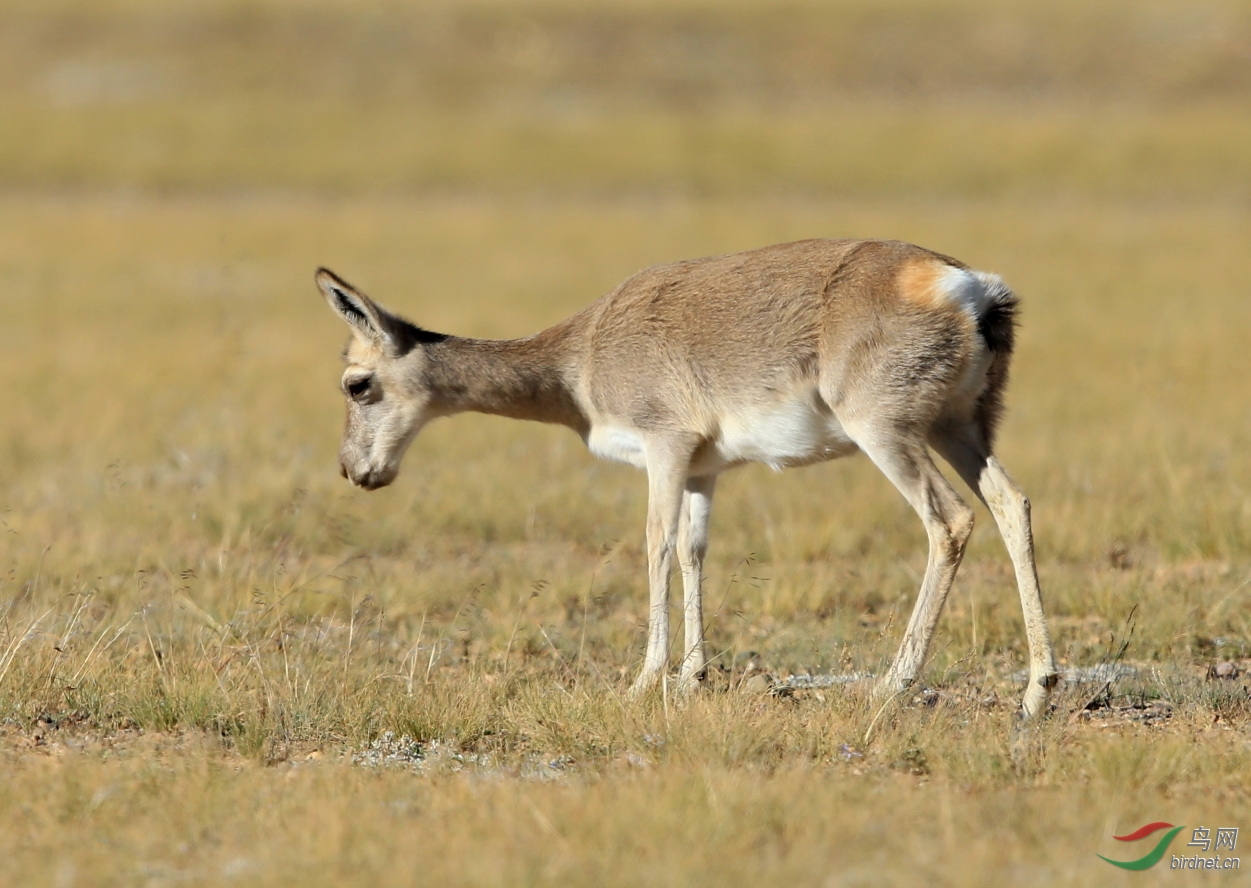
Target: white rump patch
973,291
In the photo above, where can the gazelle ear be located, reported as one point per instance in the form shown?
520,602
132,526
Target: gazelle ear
368,320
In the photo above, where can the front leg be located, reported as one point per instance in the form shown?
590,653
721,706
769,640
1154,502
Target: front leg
666,476
692,546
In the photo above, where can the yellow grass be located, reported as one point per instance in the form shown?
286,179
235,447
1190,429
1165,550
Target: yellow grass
204,631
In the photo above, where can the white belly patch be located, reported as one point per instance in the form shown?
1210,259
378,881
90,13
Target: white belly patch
619,444
792,433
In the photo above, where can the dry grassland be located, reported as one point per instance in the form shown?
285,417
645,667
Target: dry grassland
221,665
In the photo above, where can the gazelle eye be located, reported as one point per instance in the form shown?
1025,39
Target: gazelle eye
357,388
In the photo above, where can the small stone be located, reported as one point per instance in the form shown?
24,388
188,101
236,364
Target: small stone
848,753
758,683
1223,670
927,697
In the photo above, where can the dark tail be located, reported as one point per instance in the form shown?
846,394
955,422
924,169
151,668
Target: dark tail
997,326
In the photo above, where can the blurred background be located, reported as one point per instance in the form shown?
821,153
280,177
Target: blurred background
906,98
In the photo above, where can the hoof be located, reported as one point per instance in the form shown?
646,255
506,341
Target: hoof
643,685
1037,692
889,687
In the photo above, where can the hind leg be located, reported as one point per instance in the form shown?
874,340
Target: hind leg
904,459
967,454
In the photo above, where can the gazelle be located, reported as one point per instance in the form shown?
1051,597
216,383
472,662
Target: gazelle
787,355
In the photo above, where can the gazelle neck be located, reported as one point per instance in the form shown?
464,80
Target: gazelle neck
520,378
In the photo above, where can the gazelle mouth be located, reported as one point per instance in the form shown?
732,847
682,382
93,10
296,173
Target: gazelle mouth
372,480
372,483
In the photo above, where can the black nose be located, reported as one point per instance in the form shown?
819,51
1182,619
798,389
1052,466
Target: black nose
343,469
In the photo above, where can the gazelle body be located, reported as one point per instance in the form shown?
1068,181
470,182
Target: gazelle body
787,355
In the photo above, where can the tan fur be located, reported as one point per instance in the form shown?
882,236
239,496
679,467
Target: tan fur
785,355
918,283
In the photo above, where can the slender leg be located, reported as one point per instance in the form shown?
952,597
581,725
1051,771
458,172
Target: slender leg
666,476
948,523
983,473
692,545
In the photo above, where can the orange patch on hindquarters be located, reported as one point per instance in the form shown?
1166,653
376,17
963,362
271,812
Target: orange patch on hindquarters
926,283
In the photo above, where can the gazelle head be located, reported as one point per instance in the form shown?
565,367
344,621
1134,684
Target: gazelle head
388,400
